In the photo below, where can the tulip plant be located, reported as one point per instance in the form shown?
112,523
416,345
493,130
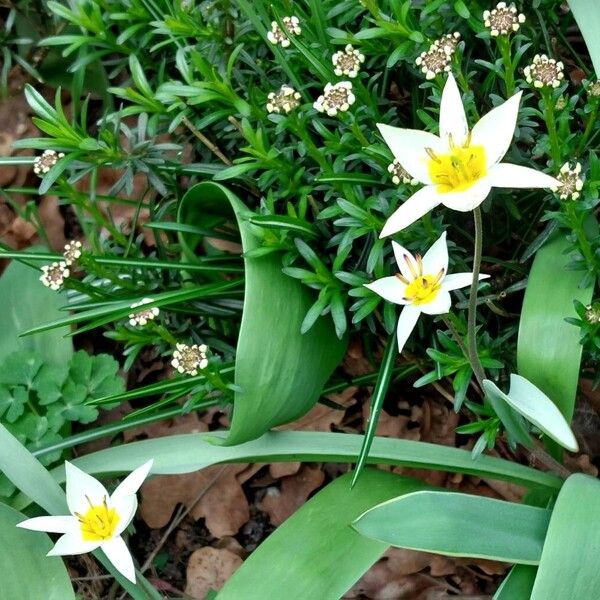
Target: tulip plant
298,176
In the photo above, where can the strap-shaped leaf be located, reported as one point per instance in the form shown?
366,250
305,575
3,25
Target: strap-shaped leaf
517,585
587,15
316,554
459,525
25,570
548,349
569,564
191,452
280,372
536,407
28,303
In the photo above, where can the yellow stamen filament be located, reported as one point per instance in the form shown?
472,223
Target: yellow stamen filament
459,169
99,522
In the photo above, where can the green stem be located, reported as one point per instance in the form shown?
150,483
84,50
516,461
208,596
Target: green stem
509,77
551,125
589,127
381,387
457,338
472,315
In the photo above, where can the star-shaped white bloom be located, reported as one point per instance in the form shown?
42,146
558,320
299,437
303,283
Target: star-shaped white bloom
97,519
459,167
422,286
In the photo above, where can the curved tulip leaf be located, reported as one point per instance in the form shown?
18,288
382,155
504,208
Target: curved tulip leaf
548,348
517,585
25,570
587,15
27,303
569,563
279,371
459,525
315,553
537,408
191,452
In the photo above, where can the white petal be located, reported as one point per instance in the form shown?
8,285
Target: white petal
440,305
400,252
82,487
406,323
125,507
412,210
453,121
469,199
505,175
117,552
132,483
408,146
72,543
436,258
389,288
49,524
455,281
495,130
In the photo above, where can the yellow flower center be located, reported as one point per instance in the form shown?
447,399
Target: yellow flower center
457,170
99,522
423,288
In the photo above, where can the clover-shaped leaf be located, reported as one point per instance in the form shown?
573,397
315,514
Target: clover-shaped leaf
12,402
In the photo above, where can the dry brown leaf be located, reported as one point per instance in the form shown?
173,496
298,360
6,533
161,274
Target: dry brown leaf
222,502
278,470
209,569
189,423
295,489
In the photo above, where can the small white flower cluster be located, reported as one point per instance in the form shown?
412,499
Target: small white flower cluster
437,59
188,359
54,275
337,97
594,90
278,36
42,164
592,313
399,174
544,71
72,251
348,61
141,317
503,19
570,182
286,100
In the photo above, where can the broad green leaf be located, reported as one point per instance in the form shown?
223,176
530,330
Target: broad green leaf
279,371
187,453
518,584
536,407
25,570
315,553
587,15
27,473
569,564
459,525
26,304
548,349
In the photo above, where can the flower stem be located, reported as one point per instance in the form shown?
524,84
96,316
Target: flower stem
472,315
551,126
509,77
591,124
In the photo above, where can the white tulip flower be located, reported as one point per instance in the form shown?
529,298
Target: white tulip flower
422,286
97,519
459,167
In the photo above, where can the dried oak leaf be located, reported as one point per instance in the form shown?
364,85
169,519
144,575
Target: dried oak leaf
279,504
209,569
215,494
